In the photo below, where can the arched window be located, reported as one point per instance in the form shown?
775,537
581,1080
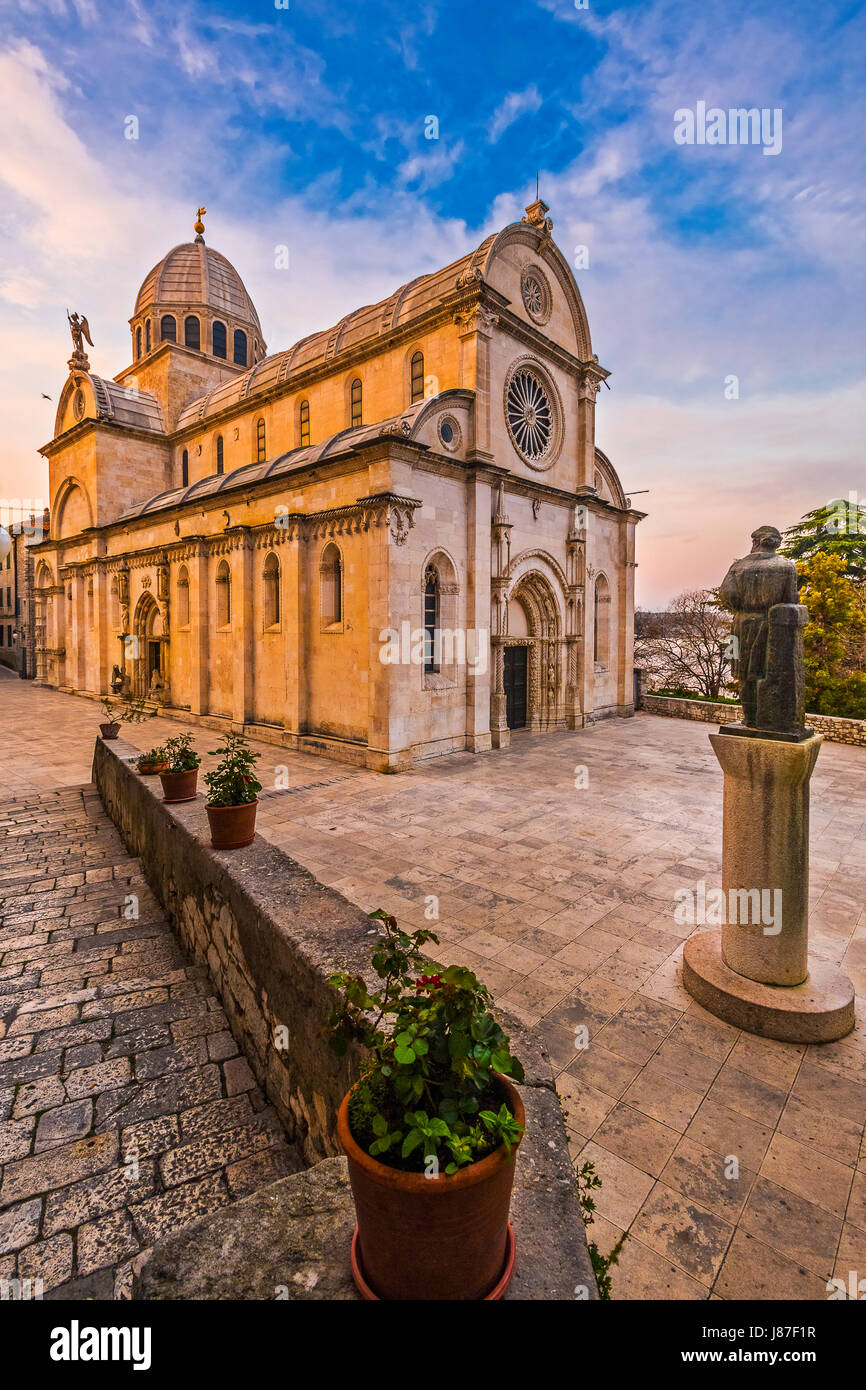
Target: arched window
184,468
192,332
183,597
224,594
261,451
601,623
304,421
147,336
240,348
138,341
219,339
272,591
168,328
331,572
417,377
220,458
356,402
431,619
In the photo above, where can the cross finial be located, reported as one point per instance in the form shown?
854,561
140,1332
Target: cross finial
199,225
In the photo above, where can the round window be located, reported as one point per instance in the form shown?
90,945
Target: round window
530,414
450,434
535,293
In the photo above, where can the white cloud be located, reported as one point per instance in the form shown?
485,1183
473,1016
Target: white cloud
431,167
515,105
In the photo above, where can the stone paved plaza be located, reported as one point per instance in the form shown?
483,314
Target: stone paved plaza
561,896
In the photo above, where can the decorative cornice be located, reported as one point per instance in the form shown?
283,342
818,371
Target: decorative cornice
475,318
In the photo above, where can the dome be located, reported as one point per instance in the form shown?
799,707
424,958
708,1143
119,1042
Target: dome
194,275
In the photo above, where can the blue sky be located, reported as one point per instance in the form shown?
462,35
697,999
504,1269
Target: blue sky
305,127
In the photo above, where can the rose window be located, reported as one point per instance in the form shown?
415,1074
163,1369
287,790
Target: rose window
533,295
530,415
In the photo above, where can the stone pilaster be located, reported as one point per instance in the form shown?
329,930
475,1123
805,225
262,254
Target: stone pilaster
242,630
297,608
199,595
478,577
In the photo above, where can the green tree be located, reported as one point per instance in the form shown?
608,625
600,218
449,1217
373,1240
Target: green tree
837,528
834,637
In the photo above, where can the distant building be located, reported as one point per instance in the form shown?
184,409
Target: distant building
393,540
8,648
17,610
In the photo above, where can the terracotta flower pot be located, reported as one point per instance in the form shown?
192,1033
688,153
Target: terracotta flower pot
232,827
150,769
109,730
432,1238
179,786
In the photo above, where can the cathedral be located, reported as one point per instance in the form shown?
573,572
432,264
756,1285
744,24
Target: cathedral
392,540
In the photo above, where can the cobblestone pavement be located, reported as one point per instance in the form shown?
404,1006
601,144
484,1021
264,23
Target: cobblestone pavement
561,898
125,1110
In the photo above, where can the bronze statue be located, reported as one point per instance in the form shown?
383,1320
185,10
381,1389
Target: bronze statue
761,591
80,329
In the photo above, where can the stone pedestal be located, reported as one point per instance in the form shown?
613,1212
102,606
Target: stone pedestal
765,854
821,1009
756,973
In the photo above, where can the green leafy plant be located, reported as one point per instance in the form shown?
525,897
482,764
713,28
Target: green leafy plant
232,782
430,1093
834,639
136,711
127,710
836,528
155,756
180,754
587,1181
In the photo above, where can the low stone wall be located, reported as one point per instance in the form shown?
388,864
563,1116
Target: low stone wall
691,709
270,935
835,730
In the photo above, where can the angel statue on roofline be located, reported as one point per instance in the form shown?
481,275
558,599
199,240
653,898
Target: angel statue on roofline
80,330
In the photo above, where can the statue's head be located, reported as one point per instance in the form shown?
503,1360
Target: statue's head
766,539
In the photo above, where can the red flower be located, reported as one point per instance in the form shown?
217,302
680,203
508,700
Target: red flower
428,982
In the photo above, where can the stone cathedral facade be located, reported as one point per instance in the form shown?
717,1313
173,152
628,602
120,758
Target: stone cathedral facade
393,540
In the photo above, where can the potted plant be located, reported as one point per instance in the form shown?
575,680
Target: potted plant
431,1129
233,794
134,711
154,761
111,727
180,777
